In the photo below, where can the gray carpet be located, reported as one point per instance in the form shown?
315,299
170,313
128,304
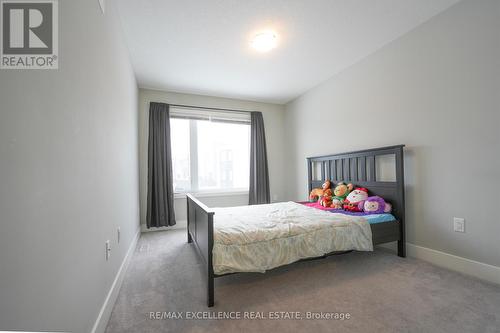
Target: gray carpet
380,291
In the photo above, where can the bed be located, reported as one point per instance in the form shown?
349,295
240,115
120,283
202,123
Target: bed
262,237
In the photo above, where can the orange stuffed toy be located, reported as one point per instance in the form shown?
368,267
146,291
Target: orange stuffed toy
326,198
317,193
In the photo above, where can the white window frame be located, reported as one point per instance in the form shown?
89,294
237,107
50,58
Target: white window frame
193,114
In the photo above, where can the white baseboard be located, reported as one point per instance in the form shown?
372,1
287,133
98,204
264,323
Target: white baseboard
182,224
106,309
466,266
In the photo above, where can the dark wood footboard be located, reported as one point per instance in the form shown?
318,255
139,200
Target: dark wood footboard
200,232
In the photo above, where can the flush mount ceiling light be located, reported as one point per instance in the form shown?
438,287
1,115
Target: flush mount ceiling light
264,41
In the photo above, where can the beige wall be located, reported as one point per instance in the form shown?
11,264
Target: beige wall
273,121
436,90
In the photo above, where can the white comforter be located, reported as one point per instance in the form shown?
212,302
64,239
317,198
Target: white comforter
261,237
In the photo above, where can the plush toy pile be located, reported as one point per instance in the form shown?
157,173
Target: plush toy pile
345,196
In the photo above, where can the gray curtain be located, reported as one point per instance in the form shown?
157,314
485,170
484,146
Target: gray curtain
160,210
259,174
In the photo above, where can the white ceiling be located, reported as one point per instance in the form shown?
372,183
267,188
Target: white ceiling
202,46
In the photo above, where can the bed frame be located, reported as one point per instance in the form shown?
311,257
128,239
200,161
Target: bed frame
358,167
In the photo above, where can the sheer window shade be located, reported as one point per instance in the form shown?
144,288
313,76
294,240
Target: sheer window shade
210,115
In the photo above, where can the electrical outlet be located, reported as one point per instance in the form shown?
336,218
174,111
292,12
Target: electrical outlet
458,224
118,234
108,249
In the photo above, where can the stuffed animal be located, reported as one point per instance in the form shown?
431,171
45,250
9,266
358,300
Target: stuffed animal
341,191
336,203
354,198
317,193
375,205
326,199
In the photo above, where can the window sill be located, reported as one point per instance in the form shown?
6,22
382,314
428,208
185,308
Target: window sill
204,194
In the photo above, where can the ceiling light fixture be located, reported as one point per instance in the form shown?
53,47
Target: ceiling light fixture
264,41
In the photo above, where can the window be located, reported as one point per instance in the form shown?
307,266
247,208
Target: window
210,150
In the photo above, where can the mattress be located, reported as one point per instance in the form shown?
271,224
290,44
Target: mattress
261,237
378,218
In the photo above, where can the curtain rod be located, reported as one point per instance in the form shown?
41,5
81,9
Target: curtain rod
208,108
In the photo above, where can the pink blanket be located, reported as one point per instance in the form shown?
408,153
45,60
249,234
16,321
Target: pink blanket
315,204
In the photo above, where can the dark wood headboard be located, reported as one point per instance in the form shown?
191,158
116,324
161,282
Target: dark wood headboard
359,168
